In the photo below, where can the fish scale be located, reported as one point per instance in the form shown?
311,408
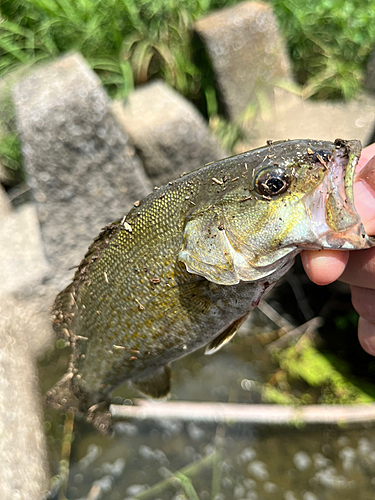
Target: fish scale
186,265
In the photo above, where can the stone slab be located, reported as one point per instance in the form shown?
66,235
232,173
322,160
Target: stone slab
23,263
247,54
82,169
24,471
291,117
168,131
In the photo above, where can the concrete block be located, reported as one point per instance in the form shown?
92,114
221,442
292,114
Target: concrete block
168,131
82,169
247,54
24,471
291,117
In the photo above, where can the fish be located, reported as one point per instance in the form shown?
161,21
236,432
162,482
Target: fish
186,265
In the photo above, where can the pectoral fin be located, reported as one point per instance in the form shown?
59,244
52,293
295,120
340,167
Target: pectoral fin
157,384
224,337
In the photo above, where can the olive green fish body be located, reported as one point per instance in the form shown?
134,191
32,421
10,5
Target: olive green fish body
188,263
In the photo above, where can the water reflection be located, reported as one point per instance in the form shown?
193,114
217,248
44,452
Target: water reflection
222,462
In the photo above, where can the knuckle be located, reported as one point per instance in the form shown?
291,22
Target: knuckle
363,300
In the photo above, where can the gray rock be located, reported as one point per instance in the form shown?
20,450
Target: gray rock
22,259
80,165
23,461
246,52
169,132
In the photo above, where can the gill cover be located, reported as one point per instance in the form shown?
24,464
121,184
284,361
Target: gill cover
207,250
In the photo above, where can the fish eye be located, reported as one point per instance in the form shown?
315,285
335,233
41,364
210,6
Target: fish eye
272,182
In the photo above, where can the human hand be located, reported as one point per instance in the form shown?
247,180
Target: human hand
356,268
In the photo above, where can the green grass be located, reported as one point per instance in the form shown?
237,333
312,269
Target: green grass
329,43
125,41
129,42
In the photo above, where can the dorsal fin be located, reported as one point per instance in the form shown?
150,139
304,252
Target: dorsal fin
225,336
65,302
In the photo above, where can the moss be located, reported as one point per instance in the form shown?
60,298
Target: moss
305,362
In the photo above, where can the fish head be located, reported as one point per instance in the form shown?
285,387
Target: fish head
291,196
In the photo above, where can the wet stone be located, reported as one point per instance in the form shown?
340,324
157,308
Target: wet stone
135,489
246,52
289,495
302,461
259,470
246,455
307,495
270,487
168,131
195,432
320,461
80,165
348,456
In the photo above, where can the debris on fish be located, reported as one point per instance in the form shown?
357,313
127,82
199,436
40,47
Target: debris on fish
187,264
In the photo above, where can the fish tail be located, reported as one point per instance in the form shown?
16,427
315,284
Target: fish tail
63,396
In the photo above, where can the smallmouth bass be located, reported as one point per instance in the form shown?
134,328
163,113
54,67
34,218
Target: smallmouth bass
187,264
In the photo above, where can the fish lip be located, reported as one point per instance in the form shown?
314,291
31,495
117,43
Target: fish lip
352,150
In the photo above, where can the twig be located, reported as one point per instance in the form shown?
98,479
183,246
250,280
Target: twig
301,299
246,413
274,316
66,448
188,471
304,329
217,463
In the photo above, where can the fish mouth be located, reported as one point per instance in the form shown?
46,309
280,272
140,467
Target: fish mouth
338,225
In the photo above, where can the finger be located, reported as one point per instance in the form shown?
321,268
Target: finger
367,153
364,193
364,198
324,266
363,300
366,335
360,270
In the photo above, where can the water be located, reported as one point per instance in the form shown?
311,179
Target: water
252,463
